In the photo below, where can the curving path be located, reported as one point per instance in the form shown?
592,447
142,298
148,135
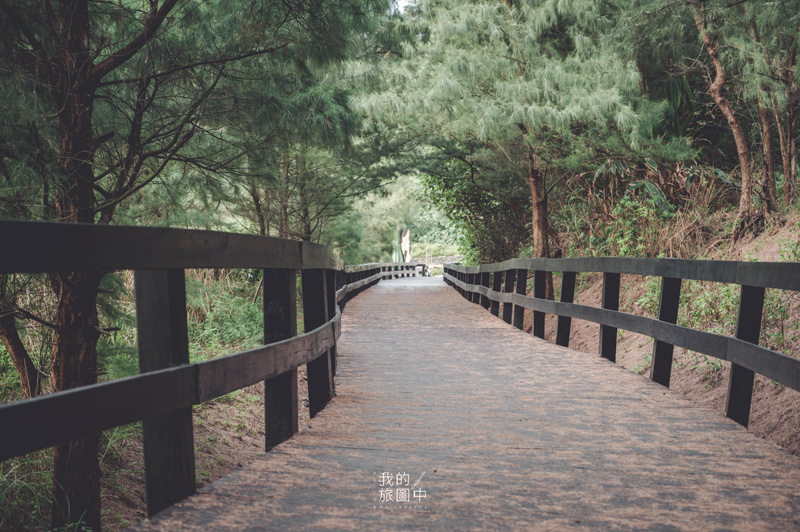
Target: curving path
510,431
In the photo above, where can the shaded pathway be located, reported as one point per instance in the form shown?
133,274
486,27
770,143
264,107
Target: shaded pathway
510,432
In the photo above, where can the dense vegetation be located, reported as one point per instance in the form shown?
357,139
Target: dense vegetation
508,127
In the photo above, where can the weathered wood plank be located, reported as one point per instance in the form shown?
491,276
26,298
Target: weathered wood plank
508,288
610,301
567,296
483,279
781,275
71,414
163,342
661,367
748,329
497,285
224,375
50,246
75,413
330,300
539,292
521,288
315,311
280,323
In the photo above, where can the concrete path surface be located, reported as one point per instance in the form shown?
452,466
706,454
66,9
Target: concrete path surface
482,426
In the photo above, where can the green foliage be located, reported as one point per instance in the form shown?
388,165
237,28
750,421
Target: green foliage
25,485
632,231
223,316
366,233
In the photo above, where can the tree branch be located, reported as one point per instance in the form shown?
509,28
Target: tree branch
151,25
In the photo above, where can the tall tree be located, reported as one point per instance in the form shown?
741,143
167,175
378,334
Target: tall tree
130,87
533,73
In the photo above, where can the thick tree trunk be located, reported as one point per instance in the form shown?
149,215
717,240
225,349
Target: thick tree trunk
745,211
767,164
541,244
76,471
28,374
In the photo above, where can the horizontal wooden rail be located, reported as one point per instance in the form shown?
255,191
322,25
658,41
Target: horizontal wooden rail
163,394
742,351
48,247
71,414
781,275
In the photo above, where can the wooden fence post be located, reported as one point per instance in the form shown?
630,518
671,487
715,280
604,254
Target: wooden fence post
497,285
539,292
748,328
661,367
475,296
508,308
567,295
163,342
608,335
280,323
522,288
315,306
331,312
484,281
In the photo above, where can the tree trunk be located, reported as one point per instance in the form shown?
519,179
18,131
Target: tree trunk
305,214
745,211
767,164
283,223
28,374
541,245
76,470
262,227
267,208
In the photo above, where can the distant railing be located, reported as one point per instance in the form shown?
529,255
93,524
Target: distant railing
492,284
168,386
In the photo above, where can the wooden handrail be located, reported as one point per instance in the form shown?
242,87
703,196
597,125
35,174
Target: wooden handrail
743,351
163,396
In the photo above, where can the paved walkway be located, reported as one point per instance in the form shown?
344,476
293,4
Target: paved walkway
510,432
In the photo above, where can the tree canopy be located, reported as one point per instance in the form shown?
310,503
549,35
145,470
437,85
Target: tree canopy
527,126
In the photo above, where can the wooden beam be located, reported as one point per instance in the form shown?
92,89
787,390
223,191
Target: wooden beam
661,367
748,329
483,280
280,323
608,335
315,310
567,296
508,308
53,246
497,286
539,292
521,288
163,343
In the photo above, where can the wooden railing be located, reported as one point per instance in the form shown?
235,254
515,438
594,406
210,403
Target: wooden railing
492,284
168,386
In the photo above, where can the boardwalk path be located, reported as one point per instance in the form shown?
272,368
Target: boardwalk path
511,433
